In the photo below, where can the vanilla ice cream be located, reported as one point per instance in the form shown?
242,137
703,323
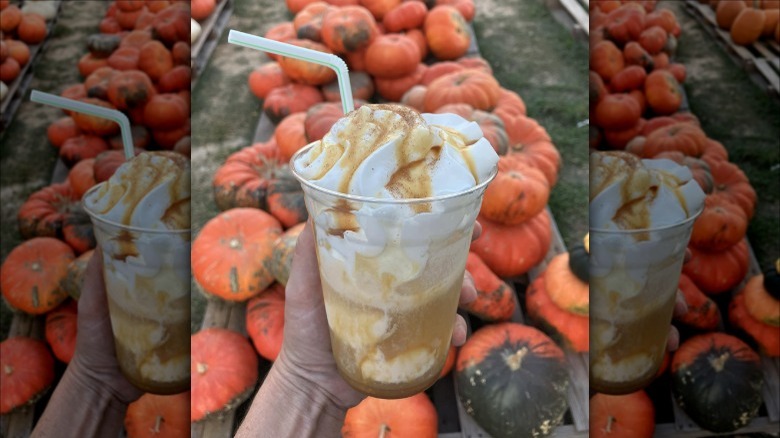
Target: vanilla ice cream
142,218
641,214
385,259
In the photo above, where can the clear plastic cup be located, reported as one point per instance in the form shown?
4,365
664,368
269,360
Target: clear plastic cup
391,271
633,284
147,278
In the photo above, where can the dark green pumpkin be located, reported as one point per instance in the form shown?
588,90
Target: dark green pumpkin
579,261
772,280
511,378
716,380
102,45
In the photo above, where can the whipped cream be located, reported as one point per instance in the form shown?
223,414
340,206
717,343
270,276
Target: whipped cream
151,191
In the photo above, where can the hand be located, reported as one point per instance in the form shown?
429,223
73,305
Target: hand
306,353
680,308
94,362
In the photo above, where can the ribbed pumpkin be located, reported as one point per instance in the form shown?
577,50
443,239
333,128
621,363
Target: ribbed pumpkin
265,321
717,380
478,89
284,249
348,28
285,199
765,336
413,416
74,278
288,99
721,225
61,328
159,416
703,313
622,416
290,136
231,255
718,272
518,192
512,380
447,32
27,368
761,299
568,328
243,180
731,181
511,250
224,372
306,72
494,296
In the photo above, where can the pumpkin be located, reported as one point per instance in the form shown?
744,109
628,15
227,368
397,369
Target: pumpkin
661,61
43,213
518,192
81,177
224,372
683,137
653,39
320,118
123,58
495,301
231,255
32,29
290,135
596,89
439,69
678,71
283,32
564,284
81,147
285,199
663,92
296,6
167,139
630,78
717,380
624,24
606,60
414,97
284,249
473,87
305,72
568,328
201,9
77,229
308,22
75,91
62,129
760,304
265,321
155,60
394,89
136,38
726,12
244,178
172,24
512,380
265,78
74,278
766,336
392,56
102,45
406,16
413,416
617,112
493,129
703,313
159,416
449,362
166,111
97,82
772,279
348,28
361,83
18,51
12,16
721,224
27,368
379,8
530,142
176,79
622,416
108,162
619,139
182,53
288,99
664,18
465,7
511,250
31,274
732,182
699,168
635,54
509,104
90,124
447,32
130,89
60,329
717,272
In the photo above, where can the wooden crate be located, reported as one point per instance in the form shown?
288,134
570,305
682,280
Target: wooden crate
211,31
573,15
17,90
761,60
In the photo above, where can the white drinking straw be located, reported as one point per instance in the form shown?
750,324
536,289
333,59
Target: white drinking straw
92,110
327,59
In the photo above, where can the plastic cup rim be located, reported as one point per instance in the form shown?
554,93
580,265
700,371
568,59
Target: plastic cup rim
374,200
132,228
687,221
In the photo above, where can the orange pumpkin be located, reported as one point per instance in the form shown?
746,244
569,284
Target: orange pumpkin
717,272
201,9
447,32
624,24
392,56
283,32
61,328
136,38
61,130
617,111
379,8
130,89
155,60
285,199
732,182
18,51
418,37
563,284
306,72
511,250
172,24
615,416
288,99
361,83
242,181
635,54
568,328
348,29
630,78
393,89
653,39
81,177
31,29
518,192
265,78
703,313
11,18
265,321
413,416
465,7
727,11
495,301
166,111
81,147
290,135
178,78
159,416
663,92
97,82
222,359
281,261
720,225
473,87
89,63
761,298
493,129
320,118
405,16
308,22
231,254
30,276
28,369
606,60
530,142
683,137
766,336
509,104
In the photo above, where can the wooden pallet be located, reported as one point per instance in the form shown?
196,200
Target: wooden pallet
761,60
17,90
211,30
573,15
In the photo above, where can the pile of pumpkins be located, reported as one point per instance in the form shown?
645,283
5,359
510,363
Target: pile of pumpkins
635,98
748,21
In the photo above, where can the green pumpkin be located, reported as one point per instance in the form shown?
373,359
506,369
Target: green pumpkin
579,261
772,280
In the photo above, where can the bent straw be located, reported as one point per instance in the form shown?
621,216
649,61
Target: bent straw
279,48
92,110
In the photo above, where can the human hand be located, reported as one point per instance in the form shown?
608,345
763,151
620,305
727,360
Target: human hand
306,354
94,363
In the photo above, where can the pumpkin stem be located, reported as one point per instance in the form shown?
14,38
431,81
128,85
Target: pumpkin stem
36,266
383,429
515,360
157,423
610,421
234,243
719,362
8,369
202,367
